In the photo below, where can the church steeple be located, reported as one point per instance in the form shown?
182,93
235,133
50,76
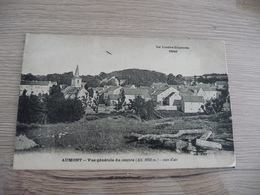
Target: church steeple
77,71
76,80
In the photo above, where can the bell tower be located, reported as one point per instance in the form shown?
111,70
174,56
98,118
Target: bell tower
76,80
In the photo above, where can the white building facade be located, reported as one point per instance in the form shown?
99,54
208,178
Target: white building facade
36,87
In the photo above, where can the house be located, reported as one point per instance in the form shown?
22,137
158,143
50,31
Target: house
188,91
160,94
131,94
112,89
108,90
144,88
122,81
130,86
100,90
170,102
36,87
203,85
76,89
111,81
172,99
192,104
158,85
208,93
112,99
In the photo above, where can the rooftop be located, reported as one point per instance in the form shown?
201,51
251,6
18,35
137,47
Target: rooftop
112,88
23,82
70,90
193,99
142,92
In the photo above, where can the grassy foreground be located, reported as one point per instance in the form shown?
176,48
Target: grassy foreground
105,132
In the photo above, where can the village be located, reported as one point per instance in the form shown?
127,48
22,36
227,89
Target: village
191,117
189,97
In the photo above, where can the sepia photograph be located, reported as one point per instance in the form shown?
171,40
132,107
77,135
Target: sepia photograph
104,103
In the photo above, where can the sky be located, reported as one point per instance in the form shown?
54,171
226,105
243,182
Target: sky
46,54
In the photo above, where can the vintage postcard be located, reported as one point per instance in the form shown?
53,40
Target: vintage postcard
99,103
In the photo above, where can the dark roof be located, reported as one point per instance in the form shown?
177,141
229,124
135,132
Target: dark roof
170,95
187,94
23,82
70,90
184,90
193,99
112,88
141,92
157,92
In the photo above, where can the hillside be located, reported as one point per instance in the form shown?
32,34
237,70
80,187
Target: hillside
138,76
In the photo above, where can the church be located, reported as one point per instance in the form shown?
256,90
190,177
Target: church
76,89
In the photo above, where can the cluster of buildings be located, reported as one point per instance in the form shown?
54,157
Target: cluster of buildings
189,99
40,88
36,87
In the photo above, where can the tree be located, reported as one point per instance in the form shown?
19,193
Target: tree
138,105
171,80
30,109
144,110
59,109
90,91
121,99
213,106
28,77
102,75
179,78
95,101
150,105
92,81
217,104
195,78
55,90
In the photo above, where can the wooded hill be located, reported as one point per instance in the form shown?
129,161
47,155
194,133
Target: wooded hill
136,77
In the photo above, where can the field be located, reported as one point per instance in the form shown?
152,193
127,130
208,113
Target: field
103,132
